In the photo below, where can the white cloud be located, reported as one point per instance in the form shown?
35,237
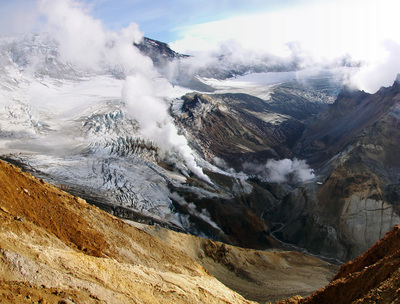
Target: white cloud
284,170
81,38
381,72
321,30
84,41
279,170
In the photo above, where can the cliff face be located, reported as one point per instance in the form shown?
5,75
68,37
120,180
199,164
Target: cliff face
239,128
353,147
373,277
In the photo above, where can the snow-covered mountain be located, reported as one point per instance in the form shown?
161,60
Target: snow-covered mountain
132,136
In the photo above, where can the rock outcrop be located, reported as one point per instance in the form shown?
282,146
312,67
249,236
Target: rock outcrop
241,128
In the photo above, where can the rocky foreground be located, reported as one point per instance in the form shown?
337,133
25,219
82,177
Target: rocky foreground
56,248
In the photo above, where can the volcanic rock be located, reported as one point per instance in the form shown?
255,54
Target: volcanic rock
353,148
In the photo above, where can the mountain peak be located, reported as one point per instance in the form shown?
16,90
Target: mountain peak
158,51
396,83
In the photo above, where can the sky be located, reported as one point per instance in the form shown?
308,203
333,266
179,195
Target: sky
166,20
162,20
365,30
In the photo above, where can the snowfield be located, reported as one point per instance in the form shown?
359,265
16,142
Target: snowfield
102,133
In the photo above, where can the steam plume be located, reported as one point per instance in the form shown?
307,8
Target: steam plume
152,114
85,43
279,171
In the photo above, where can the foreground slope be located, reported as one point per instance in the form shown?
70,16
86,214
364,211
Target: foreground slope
261,276
55,246
373,277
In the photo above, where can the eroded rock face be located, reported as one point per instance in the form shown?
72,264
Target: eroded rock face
354,148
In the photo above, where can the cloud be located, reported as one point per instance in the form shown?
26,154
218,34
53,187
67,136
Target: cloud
83,40
321,32
381,72
280,171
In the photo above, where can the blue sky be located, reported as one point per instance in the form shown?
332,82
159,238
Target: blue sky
158,19
164,20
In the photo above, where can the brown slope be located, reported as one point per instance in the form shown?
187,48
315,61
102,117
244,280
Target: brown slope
54,247
261,276
373,277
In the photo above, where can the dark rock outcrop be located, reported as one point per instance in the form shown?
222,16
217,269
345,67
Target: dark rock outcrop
159,52
238,128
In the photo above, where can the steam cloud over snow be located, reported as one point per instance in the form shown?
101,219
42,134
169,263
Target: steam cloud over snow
152,114
85,45
83,41
279,171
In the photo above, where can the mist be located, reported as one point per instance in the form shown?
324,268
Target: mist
381,72
281,171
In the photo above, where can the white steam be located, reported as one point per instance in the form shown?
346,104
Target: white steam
280,171
156,124
83,41
192,210
381,72
86,46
